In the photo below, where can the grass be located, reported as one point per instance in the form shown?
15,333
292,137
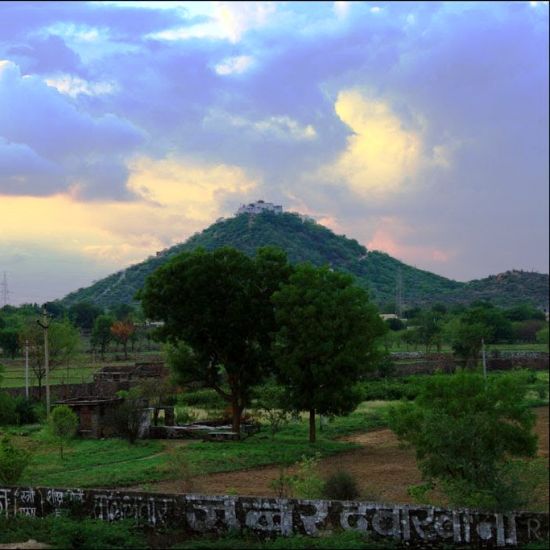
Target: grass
116,463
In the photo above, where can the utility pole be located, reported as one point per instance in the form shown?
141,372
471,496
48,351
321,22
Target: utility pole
4,293
27,369
45,324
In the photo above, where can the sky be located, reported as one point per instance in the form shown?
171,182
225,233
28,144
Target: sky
419,129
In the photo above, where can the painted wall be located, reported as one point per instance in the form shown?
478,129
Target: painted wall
272,516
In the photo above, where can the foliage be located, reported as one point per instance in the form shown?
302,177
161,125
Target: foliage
180,467
305,483
25,411
62,425
542,335
8,409
67,532
341,486
101,333
465,428
13,462
83,314
325,340
306,241
205,398
227,296
63,345
9,341
271,404
127,417
122,331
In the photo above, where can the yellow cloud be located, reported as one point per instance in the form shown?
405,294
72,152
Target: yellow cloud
177,198
381,153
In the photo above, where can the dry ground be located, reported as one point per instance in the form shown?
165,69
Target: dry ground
383,469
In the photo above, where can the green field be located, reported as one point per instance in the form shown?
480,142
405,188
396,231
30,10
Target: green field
115,462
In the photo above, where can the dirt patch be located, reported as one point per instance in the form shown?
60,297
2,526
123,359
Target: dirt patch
382,468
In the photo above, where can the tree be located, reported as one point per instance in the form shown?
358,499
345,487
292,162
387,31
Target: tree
429,329
325,340
62,424
63,345
464,429
123,312
122,331
83,314
483,321
101,333
218,317
9,341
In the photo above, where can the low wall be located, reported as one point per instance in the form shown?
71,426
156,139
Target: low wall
429,363
412,525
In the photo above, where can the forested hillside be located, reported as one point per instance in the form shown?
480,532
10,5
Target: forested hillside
309,241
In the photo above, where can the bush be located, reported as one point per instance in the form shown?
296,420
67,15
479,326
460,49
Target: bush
452,412
8,413
25,411
62,425
13,462
341,486
62,532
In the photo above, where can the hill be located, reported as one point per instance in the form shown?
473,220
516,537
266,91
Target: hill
305,240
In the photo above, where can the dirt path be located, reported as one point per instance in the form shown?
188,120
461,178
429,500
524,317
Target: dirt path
382,468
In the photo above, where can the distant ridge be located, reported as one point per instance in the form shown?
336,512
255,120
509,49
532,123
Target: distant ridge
305,240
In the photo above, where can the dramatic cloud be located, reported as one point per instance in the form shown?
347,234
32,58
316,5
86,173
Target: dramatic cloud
418,128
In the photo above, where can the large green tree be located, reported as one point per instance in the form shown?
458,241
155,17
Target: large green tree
325,340
218,316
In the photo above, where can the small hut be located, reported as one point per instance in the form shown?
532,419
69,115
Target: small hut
93,414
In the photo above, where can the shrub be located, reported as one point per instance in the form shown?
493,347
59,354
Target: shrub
25,411
341,486
13,462
8,413
62,425
203,398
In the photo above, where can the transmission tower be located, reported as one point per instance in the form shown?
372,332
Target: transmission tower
399,294
4,291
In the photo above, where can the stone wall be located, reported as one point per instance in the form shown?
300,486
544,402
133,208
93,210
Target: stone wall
412,525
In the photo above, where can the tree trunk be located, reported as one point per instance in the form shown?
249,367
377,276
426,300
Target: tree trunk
236,410
312,425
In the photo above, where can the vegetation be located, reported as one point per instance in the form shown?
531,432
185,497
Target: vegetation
464,430
67,532
306,241
325,341
13,462
62,425
227,296
341,486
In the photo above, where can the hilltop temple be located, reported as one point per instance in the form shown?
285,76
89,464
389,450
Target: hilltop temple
258,207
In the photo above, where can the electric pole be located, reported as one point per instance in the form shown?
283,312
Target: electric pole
4,292
45,324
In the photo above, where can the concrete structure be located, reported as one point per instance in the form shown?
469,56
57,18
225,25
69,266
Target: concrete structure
258,207
406,525
93,414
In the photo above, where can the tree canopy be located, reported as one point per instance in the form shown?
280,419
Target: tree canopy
325,340
217,313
